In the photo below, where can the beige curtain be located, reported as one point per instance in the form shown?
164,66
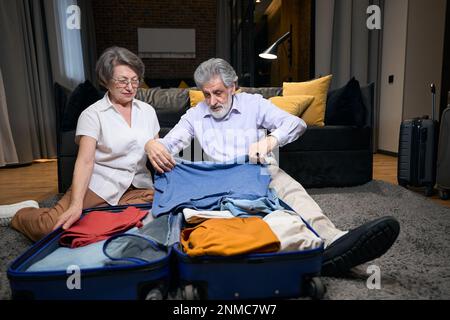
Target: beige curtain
8,154
27,79
346,48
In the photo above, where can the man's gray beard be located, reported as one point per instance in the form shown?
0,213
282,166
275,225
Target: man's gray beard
222,114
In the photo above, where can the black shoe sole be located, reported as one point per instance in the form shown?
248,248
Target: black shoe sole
370,245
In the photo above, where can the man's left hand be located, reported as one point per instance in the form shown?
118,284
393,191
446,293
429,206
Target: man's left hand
259,150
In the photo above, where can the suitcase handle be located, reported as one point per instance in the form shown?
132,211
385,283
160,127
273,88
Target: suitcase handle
433,100
144,206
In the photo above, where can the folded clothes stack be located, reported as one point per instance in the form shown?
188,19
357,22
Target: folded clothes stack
234,216
221,233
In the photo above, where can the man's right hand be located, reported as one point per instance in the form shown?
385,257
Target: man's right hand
159,157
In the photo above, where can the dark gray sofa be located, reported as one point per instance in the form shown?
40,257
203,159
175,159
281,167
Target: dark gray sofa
329,156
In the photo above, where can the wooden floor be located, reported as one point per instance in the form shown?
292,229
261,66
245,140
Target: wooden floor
39,180
385,169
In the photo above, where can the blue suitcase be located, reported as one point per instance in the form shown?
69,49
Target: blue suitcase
123,280
252,276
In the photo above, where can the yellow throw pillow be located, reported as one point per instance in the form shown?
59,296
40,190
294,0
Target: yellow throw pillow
315,114
183,85
295,105
196,96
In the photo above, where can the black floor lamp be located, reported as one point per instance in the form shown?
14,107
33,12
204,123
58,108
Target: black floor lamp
271,52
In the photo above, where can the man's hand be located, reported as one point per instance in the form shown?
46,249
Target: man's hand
159,157
259,150
68,218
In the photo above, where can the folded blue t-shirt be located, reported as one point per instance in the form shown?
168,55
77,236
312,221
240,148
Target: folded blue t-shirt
204,185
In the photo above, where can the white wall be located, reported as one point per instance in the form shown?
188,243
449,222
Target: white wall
413,45
424,56
393,63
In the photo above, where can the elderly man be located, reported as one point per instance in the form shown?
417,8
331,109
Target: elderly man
228,125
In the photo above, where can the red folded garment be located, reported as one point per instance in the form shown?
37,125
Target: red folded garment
100,225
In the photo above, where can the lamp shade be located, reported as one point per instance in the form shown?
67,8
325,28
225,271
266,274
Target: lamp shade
271,52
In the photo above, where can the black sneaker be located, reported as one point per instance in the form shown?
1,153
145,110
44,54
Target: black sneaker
365,243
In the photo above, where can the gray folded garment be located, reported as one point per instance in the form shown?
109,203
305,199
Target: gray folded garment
147,244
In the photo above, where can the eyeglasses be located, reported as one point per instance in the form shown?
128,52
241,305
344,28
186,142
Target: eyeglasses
122,83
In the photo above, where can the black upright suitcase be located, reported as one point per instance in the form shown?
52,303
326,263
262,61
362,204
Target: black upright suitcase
443,162
417,151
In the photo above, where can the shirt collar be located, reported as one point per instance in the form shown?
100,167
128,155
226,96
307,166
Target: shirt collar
235,107
106,103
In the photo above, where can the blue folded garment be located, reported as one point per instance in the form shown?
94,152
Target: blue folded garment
150,243
205,185
250,208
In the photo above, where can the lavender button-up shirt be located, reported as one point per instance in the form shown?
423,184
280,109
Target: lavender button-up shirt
248,121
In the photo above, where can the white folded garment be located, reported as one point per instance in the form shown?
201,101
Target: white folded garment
293,233
194,216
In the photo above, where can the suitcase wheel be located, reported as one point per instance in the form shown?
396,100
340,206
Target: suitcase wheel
190,292
315,288
444,194
154,294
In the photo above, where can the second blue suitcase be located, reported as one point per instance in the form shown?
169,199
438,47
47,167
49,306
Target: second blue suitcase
253,276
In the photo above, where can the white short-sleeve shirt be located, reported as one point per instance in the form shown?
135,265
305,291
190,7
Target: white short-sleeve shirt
120,158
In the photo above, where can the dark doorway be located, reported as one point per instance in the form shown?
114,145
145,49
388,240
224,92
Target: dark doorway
257,25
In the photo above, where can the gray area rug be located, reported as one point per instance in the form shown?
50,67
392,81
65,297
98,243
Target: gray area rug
416,267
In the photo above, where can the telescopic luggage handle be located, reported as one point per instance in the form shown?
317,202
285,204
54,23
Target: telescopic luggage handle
433,100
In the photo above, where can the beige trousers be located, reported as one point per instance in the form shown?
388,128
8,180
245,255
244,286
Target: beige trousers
293,194
35,223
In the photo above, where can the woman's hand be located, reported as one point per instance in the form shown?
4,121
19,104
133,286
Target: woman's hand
259,150
68,218
159,157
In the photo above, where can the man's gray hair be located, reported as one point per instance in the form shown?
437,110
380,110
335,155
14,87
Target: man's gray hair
115,56
212,68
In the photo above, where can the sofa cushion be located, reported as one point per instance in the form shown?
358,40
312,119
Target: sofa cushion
368,96
68,147
295,105
265,92
170,104
345,106
82,97
66,166
331,138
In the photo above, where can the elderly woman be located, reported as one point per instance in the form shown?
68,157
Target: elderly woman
111,164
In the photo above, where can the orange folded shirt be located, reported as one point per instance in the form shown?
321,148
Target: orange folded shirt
227,237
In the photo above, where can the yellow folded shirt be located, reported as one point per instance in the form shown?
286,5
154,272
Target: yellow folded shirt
227,237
